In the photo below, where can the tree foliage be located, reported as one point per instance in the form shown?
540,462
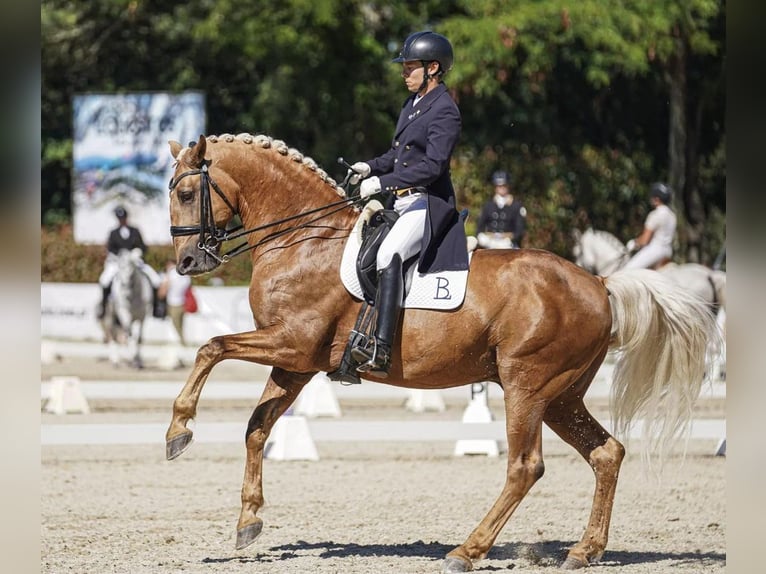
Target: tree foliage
586,102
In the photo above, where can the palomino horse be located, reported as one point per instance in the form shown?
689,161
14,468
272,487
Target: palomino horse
602,253
541,342
126,309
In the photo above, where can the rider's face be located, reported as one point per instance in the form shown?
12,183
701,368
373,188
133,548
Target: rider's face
412,72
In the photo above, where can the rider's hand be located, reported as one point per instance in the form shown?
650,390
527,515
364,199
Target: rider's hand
370,186
359,171
631,246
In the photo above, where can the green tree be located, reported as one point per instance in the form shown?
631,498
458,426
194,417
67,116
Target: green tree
585,102
583,97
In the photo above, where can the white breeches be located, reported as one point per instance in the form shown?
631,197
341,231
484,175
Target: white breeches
649,256
405,238
111,266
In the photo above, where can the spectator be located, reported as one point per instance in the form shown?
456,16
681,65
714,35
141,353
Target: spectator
173,289
503,219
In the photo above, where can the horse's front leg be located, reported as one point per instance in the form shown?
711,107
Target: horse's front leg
281,391
266,346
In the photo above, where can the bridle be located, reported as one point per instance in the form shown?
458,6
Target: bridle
211,236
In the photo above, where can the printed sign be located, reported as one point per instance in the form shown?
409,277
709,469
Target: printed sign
121,157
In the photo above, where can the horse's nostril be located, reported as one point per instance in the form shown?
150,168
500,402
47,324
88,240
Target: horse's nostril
185,264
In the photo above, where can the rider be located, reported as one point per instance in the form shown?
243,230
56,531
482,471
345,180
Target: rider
123,236
656,240
503,219
414,173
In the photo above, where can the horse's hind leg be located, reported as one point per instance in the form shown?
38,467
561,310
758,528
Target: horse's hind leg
281,390
569,418
523,412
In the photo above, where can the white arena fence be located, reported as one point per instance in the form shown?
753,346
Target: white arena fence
68,312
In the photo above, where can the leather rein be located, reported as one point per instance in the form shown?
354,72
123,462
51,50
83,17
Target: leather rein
211,236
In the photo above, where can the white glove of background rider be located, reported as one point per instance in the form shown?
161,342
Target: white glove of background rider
360,170
370,186
631,245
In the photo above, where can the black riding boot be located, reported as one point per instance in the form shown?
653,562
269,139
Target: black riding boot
105,291
375,358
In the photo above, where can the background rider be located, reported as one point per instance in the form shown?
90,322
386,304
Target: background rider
123,236
655,243
503,220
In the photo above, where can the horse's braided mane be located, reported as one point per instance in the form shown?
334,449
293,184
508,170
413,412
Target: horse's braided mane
267,142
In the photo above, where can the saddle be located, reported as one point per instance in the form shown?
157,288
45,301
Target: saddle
444,290
374,231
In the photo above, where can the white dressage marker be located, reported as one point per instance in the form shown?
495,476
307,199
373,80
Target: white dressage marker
478,412
66,396
290,439
317,399
420,400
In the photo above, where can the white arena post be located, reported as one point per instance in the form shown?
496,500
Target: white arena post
290,439
477,412
420,400
66,396
317,399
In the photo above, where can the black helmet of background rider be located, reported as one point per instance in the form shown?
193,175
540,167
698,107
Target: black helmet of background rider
427,47
661,192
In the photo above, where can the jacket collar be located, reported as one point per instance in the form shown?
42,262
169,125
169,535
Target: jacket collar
410,114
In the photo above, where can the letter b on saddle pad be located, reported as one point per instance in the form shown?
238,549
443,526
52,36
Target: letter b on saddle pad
443,290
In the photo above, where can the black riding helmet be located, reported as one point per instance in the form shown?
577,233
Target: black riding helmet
661,191
427,46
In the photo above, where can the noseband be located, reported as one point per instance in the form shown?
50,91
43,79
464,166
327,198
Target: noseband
211,236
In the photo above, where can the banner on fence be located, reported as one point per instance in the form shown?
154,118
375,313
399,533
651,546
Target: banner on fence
121,157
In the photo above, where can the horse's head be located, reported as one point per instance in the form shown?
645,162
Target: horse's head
583,256
199,210
598,251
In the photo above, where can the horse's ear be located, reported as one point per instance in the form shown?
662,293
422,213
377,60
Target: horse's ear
197,153
175,147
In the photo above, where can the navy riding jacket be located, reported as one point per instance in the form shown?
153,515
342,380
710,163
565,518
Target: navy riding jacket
425,137
116,242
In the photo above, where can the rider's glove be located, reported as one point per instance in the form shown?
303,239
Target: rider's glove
370,186
359,171
631,245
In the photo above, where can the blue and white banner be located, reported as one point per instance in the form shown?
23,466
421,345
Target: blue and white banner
121,157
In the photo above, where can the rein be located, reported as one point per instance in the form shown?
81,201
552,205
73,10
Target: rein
211,236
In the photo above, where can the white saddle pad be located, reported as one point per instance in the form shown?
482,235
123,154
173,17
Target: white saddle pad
443,290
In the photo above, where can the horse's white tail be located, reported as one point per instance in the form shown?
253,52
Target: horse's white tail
661,332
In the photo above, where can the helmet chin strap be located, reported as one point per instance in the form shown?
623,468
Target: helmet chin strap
426,76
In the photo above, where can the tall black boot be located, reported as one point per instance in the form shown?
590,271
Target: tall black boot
105,291
375,358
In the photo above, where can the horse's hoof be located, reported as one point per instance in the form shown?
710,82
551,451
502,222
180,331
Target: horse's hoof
572,563
454,565
247,535
178,445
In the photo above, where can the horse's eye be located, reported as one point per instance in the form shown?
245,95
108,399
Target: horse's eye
185,195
